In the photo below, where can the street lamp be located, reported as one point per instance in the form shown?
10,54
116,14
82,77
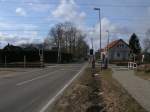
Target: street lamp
108,46
99,11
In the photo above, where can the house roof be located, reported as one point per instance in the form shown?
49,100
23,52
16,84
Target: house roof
114,43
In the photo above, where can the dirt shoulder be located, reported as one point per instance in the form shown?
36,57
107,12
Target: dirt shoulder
100,93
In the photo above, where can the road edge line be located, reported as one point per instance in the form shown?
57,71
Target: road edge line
44,109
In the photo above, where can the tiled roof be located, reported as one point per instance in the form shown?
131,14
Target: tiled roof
113,43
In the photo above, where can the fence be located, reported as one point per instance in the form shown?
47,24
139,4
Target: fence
132,65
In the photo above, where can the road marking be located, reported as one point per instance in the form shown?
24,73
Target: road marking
39,77
69,70
62,90
18,73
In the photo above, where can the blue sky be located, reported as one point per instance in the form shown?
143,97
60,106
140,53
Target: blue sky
28,21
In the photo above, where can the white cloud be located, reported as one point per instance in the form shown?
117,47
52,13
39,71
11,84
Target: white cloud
21,12
106,25
22,33
68,11
15,26
38,5
19,38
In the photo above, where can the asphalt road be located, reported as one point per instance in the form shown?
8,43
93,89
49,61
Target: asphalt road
29,91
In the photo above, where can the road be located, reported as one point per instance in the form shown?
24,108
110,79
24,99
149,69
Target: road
29,91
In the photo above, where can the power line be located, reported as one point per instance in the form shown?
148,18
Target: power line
128,33
23,30
88,18
111,32
81,4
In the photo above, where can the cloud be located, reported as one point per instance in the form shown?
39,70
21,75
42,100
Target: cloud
15,26
38,5
19,38
68,11
18,34
21,12
106,25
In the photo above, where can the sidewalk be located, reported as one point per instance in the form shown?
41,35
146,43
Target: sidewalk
138,88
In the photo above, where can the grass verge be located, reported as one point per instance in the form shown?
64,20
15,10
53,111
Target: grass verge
143,75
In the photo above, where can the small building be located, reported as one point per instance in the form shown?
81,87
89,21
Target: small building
118,51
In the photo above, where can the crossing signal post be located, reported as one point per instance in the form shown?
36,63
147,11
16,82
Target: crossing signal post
92,59
91,52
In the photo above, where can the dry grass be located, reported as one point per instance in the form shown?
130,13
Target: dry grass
143,75
143,71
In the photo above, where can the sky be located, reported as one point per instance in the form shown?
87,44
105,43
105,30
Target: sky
29,21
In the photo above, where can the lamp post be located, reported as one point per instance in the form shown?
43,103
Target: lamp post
99,12
108,47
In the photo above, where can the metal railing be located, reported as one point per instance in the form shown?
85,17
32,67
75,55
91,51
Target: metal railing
132,65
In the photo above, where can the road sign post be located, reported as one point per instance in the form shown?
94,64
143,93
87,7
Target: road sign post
5,61
24,61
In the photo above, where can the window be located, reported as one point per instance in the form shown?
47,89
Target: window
120,46
118,54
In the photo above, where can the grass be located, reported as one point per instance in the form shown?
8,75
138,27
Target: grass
143,75
116,97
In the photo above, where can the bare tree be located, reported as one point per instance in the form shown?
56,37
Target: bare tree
146,43
69,38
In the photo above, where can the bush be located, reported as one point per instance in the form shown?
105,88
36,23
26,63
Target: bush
33,56
147,71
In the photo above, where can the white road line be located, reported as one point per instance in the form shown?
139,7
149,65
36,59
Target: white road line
62,90
69,70
39,77
18,73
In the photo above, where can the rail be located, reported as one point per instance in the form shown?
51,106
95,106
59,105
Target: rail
132,65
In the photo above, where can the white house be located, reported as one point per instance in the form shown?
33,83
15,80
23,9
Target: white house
118,50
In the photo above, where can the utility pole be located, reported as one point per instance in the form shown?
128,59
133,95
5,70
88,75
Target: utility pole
24,61
92,43
5,61
108,47
59,46
59,51
99,12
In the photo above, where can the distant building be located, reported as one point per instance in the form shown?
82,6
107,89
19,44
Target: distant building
118,51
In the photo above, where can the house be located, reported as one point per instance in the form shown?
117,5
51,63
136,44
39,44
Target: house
118,51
